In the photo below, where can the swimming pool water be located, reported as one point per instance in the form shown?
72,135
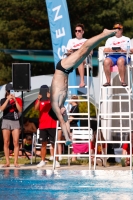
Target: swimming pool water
65,184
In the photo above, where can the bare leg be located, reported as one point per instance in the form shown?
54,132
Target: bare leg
57,101
6,137
59,145
43,150
68,128
124,152
121,68
52,150
106,65
74,158
20,147
81,73
65,117
15,135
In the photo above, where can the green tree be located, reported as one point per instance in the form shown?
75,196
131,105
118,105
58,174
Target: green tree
96,15
23,25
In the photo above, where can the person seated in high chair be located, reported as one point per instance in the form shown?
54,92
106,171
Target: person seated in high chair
116,49
74,44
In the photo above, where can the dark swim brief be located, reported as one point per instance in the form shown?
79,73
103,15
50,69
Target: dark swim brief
59,67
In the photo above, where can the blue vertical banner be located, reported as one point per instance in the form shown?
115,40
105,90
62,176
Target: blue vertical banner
60,32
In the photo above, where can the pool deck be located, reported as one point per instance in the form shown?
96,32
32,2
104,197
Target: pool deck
65,167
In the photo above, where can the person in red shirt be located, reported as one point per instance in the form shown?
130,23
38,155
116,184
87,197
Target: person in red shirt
47,125
126,151
11,106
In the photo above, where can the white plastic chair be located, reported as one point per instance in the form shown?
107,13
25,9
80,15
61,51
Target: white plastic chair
81,136
36,145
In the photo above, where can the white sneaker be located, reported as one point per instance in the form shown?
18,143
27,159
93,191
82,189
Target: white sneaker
57,164
60,158
41,164
51,158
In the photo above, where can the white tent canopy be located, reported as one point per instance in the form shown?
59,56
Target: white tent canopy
37,81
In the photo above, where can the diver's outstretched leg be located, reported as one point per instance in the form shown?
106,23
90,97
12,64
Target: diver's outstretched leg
65,117
76,58
60,117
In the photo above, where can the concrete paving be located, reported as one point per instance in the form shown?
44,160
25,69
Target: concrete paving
65,167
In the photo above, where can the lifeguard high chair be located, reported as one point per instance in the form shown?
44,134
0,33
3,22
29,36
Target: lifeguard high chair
115,109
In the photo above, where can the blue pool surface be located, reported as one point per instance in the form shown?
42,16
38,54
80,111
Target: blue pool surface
65,184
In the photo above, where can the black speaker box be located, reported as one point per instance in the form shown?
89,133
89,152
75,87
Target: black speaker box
21,76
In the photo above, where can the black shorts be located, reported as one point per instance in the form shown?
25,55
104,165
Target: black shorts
47,135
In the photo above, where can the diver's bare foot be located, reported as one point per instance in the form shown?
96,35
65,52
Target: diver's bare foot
82,84
68,142
6,165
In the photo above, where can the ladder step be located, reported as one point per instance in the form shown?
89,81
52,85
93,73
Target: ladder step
74,141
116,113
115,118
78,118
97,155
87,141
78,128
77,100
114,100
72,86
111,87
118,128
77,114
73,155
114,142
83,118
112,155
118,95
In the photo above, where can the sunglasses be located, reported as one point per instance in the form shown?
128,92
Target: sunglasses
78,31
117,28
